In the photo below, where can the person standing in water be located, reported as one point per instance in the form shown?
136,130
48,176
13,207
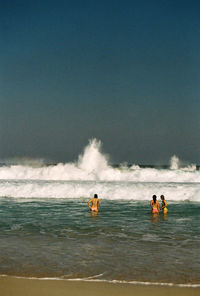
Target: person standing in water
154,205
95,203
164,205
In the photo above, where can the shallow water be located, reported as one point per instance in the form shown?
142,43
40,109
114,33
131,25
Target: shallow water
46,229
61,238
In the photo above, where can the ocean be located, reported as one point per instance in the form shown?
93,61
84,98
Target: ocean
47,230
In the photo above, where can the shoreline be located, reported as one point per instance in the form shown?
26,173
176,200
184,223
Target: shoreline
95,279
19,286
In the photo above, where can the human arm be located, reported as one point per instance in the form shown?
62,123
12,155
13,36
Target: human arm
89,203
164,204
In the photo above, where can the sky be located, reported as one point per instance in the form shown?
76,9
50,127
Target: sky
124,72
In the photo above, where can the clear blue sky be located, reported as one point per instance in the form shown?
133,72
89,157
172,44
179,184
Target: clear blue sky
125,72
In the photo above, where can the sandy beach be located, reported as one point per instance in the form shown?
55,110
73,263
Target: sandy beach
11,286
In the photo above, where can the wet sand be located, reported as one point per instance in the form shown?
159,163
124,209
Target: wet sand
11,286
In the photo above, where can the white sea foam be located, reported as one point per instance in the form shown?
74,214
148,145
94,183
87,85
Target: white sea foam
92,173
174,163
106,190
93,279
92,165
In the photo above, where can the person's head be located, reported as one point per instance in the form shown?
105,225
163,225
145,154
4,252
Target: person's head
162,197
95,196
154,198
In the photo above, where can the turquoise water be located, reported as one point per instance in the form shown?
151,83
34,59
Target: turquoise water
61,238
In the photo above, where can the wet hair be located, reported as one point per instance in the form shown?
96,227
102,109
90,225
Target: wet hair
95,196
154,198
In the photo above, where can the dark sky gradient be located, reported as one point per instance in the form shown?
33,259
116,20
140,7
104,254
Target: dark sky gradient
125,72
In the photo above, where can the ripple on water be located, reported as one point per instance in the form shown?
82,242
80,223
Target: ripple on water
62,237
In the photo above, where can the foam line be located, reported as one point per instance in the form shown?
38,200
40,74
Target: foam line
182,285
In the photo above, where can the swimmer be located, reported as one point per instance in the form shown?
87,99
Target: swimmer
95,203
164,204
154,205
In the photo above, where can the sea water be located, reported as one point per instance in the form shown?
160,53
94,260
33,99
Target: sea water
46,229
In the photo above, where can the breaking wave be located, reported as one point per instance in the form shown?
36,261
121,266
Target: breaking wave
92,173
93,165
